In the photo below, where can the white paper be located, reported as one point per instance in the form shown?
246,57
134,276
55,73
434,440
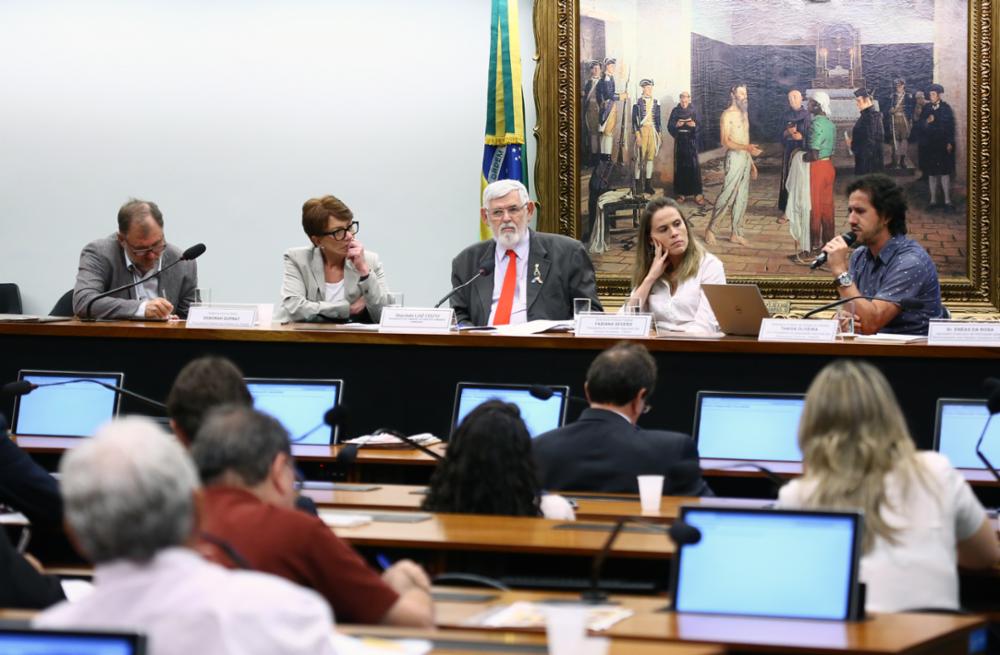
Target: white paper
964,333
343,520
534,327
597,324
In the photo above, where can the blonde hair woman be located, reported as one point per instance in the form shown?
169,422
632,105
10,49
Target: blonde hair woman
670,267
921,517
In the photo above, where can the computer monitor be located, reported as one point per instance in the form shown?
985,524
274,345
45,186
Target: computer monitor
764,562
299,404
957,427
28,641
66,403
539,415
751,426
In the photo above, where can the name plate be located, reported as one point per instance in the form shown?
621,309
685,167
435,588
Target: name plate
798,329
596,324
224,316
963,333
416,319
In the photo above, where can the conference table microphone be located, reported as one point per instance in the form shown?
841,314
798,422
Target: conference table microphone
485,270
335,417
23,387
848,237
904,303
192,253
992,387
544,392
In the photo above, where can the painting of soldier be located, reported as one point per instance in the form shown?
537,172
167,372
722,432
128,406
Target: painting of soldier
592,113
607,99
865,140
646,125
936,136
898,116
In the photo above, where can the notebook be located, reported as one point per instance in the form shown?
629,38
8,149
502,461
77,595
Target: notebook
299,404
745,425
28,641
764,562
539,416
74,406
738,308
957,427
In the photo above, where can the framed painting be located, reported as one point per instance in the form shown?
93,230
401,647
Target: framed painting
633,97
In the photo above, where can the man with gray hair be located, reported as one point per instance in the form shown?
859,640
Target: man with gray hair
520,275
130,496
244,458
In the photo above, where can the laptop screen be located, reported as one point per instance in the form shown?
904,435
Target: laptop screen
539,415
25,641
754,426
758,562
298,404
957,428
73,406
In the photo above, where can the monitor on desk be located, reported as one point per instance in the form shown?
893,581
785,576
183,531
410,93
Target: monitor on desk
764,562
29,641
299,404
957,427
751,426
66,403
539,416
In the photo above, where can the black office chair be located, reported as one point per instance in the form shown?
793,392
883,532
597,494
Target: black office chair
64,306
10,298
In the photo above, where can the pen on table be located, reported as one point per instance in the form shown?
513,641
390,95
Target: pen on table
383,561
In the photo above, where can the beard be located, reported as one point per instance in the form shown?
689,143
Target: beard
742,104
508,240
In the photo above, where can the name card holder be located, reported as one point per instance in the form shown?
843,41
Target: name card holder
599,324
798,329
963,333
221,316
425,320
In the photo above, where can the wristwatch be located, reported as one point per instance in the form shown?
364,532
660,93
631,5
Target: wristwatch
844,279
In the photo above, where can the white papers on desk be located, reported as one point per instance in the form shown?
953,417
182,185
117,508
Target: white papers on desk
344,520
424,439
885,337
75,589
524,614
535,327
347,645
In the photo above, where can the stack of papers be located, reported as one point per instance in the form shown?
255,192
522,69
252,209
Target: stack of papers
525,614
389,441
344,520
885,337
535,327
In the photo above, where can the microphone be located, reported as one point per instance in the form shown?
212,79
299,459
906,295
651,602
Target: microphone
544,392
23,387
904,303
771,476
595,594
485,270
684,534
407,440
335,417
848,237
192,253
992,386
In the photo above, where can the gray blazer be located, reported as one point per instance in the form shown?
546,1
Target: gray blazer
303,289
103,267
562,264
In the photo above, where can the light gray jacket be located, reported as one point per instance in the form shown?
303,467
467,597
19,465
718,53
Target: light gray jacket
303,289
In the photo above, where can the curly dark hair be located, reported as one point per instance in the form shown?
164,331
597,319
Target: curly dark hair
887,197
488,468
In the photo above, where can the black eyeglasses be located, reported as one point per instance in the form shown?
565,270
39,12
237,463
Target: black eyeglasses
341,233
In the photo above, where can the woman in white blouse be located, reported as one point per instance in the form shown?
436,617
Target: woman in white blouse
670,267
335,279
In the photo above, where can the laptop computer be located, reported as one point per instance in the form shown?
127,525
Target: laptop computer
28,641
957,426
539,416
765,562
299,404
739,308
73,406
748,425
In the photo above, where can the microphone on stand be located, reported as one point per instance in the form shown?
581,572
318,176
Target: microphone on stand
904,303
485,270
848,237
192,253
544,392
992,386
23,387
335,417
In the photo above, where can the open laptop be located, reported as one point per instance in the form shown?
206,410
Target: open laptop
738,308
299,404
16,640
539,416
73,407
766,562
747,425
957,427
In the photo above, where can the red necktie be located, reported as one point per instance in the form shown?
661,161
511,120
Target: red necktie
506,302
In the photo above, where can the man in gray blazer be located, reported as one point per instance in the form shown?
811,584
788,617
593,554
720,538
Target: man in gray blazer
137,250
550,270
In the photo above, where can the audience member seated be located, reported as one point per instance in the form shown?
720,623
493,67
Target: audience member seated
488,469
670,267
130,495
27,487
22,585
138,249
604,450
921,517
249,520
335,278
549,270
203,384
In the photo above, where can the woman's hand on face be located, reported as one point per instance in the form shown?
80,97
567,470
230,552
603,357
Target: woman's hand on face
356,253
659,264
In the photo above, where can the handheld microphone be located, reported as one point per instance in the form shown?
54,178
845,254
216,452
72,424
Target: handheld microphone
544,392
485,270
904,303
992,386
192,253
23,387
848,237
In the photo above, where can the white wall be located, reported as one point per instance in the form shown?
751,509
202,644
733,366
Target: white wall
230,114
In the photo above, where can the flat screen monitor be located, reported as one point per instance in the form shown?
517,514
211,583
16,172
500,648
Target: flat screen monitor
752,426
66,403
539,415
765,562
298,404
28,641
959,423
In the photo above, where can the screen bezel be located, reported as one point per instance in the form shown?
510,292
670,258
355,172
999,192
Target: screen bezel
118,376
941,402
702,394
304,381
556,388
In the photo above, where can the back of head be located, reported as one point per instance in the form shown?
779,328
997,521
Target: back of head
136,210
239,443
488,468
202,384
616,376
128,492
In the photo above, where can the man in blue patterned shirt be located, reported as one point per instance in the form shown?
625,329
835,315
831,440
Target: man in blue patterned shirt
894,269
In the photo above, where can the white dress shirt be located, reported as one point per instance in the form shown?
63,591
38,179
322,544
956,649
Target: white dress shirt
147,290
187,605
687,309
519,310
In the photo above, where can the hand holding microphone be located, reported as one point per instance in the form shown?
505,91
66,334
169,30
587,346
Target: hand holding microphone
839,248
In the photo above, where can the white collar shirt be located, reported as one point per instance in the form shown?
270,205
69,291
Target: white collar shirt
147,290
519,310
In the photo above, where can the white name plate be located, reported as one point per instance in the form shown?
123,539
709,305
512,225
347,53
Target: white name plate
596,324
963,333
798,329
216,316
416,319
